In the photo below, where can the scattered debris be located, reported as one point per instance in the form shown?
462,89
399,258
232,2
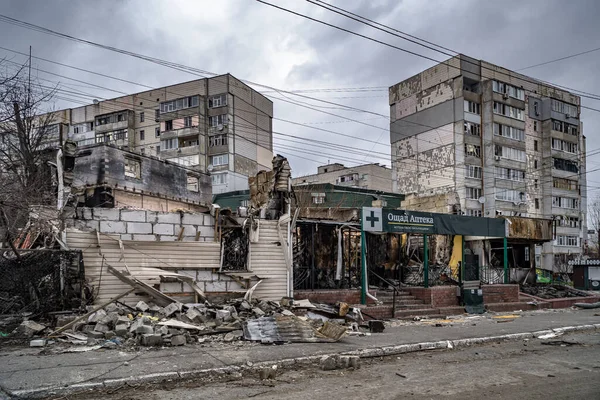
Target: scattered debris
550,335
552,291
28,329
587,305
400,375
376,326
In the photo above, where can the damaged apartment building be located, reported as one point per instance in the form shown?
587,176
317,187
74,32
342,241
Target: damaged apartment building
502,143
218,125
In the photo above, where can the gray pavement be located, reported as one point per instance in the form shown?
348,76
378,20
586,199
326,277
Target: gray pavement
29,368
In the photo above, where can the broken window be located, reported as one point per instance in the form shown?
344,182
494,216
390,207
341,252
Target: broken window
570,110
318,198
509,132
120,117
535,145
510,195
473,150
537,204
566,184
509,153
563,145
565,240
133,168
471,212
509,90
169,125
565,165
472,129
565,202
508,111
169,144
218,179
217,140
157,132
192,183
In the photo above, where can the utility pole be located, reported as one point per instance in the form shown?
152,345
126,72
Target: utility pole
29,79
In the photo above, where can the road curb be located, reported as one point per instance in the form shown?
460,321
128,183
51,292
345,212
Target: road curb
236,371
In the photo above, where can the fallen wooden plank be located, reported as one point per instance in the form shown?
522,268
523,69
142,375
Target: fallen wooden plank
161,299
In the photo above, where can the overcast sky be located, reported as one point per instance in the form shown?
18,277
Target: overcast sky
258,43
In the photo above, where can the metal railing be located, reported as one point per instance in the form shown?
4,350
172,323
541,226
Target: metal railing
396,290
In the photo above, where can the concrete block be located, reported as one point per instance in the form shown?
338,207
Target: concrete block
209,220
151,340
133,215
95,335
161,330
216,286
145,238
88,225
188,231
126,236
207,231
178,340
192,219
151,216
172,309
144,330
163,229
97,316
113,227
109,335
122,330
166,238
170,287
139,227
142,306
192,239
37,343
106,214
101,327
168,218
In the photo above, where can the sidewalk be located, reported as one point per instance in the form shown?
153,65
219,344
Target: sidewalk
29,370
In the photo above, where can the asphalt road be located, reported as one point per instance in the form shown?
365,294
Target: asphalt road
566,367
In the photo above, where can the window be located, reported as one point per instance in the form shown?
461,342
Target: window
76,129
188,143
565,202
512,91
510,195
169,144
217,140
564,127
535,183
218,179
473,212
187,122
508,111
566,184
537,204
186,161
133,168
473,171
472,129
473,150
565,108
473,193
565,146
509,153
217,101
535,164
509,132
217,120
142,116
535,145
120,117
169,125
510,174
157,132
157,149
245,203
318,198
192,183
565,240
120,134
179,104
142,135
535,125
565,165
156,115
568,222
222,159
142,151
472,107
347,178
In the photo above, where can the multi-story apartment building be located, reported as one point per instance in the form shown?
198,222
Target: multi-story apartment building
218,125
505,143
367,176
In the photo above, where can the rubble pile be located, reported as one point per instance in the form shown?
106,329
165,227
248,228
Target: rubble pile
147,324
551,291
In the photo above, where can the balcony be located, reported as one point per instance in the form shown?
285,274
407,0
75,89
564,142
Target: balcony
179,133
182,151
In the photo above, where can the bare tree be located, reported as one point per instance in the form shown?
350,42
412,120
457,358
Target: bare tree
27,138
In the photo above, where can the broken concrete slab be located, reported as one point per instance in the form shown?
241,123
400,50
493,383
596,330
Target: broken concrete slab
122,330
37,343
142,306
161,330
101,327
144,330
97,316
95,335
28,329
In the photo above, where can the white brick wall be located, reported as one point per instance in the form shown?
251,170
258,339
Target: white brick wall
145,225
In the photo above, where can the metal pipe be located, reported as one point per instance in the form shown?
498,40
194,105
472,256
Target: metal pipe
506,280
425,262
